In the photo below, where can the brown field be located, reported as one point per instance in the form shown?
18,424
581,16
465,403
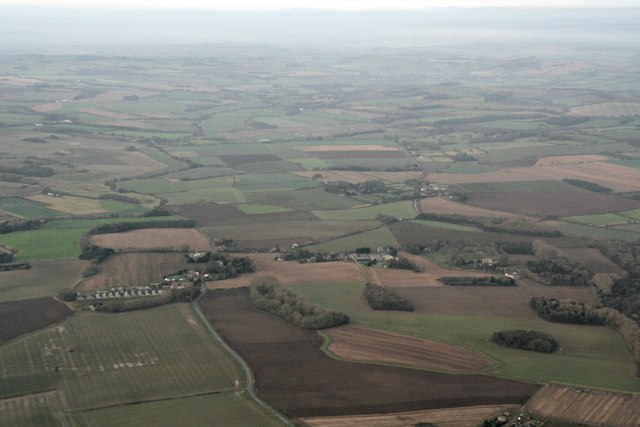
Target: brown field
441,205
151,238
293,375
135,269
551,203
618,178
607,109
358,177
292,272
329,148
207,213
566,160
428,277
594,260
449,417
369,345
21,317
509,301
584,406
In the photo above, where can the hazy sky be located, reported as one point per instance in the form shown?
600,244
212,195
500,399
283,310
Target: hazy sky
323,4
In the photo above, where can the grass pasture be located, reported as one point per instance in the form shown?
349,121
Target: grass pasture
44,243
70,204
231,409
302,200
101,359
589,356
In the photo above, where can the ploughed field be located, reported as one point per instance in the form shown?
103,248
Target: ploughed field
154,238
21,317
295,376
370,345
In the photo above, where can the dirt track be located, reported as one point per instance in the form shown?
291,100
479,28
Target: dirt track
294,376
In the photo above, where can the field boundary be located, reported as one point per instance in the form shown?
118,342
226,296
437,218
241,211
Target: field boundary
249,377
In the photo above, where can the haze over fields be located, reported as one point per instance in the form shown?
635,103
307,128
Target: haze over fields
339,213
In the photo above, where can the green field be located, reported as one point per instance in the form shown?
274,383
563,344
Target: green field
157,155
590,356
401,210
27,208
602,219
45,243
371,239
100,360
230,409
302,200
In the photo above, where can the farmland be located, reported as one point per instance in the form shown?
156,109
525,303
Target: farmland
135,269
125,353
152,238
590,407
300,380
367,345
516,160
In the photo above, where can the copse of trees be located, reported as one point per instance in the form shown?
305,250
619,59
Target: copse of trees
220,266
525,340
555,310
380,298
268,295
553,268
517,248
402,263
625,254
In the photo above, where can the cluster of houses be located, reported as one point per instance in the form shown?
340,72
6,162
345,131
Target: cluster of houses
180,280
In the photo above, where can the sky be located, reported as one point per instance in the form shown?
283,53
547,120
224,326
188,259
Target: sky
321,4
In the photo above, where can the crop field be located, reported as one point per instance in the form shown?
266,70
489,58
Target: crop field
100,360
381,236
353,177
44,278
21,317
368,345
27,209
290,272
566,160
584,406
449,417
441,205
153,238
207,213
303,200
258,235
590,356
230,409
607,109
70,204
135,269
401,210
559,204
296,377
514,186
45,409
